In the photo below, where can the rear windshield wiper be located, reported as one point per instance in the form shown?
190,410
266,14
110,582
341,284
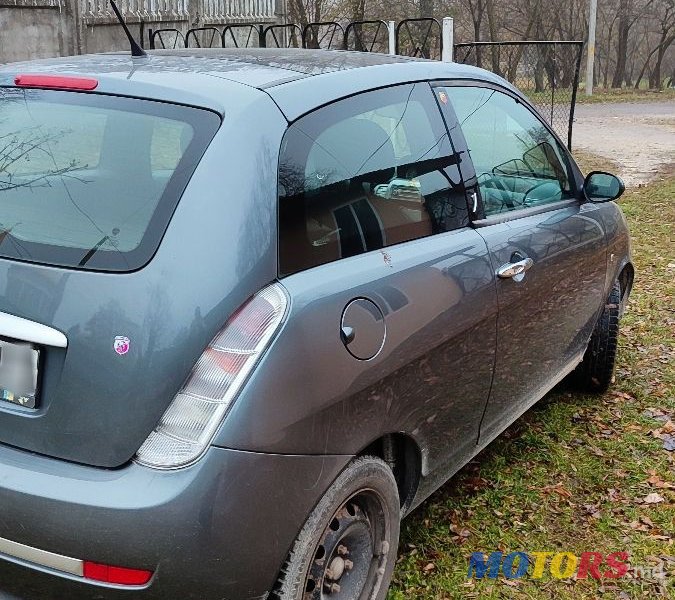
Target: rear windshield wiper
4,232
104,240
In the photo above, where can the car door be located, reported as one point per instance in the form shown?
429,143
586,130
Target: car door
546,246
393,304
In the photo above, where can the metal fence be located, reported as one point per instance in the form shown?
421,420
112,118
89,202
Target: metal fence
422,38
546,72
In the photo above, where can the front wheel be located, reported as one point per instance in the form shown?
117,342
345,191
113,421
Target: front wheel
595,372
347,548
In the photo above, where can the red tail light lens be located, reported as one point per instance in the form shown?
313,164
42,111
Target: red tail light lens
56,82
116,575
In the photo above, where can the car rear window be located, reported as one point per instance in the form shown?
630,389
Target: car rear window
91,181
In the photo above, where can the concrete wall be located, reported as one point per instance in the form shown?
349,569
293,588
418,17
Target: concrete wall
44,28
35,32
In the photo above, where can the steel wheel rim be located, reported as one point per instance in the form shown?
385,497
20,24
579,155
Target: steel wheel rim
350,559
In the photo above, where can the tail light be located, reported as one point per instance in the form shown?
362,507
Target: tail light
193,417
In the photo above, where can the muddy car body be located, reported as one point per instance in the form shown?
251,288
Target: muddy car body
366,289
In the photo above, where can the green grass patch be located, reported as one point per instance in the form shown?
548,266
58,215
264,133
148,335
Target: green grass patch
573,473
625,95
600,95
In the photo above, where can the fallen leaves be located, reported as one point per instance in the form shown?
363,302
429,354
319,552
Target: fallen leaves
558,488
658,482
592,510
460,533
666,434
596,451
429,567
669,427
653,498
623,395
657,414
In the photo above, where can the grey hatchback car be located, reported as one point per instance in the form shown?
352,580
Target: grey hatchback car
257,305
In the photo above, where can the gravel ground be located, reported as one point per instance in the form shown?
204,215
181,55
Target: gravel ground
638,137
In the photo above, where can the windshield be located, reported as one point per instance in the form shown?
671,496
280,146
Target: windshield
91,181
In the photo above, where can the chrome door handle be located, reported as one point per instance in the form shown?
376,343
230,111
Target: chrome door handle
515,270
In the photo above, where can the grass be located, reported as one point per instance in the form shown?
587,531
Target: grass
625,95
600,95
573,473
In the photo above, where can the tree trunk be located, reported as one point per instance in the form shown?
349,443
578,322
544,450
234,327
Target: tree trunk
605,77
298,12
492,26
655,79
644,69
622,44
426,9
358,10
477,20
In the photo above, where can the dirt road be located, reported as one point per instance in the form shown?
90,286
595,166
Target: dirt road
640,138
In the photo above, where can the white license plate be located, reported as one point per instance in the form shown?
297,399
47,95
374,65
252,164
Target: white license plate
19,362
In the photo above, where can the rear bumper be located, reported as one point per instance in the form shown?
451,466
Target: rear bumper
220,529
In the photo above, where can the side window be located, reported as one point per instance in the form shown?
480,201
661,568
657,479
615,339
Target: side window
364,173
519,164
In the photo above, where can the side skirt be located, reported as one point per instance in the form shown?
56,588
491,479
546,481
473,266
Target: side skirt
432,482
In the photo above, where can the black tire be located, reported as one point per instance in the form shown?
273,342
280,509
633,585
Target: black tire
595,372
349,541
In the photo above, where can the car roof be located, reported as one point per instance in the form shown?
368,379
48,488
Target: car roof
298,80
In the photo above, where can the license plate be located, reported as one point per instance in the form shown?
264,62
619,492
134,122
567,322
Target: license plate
19,363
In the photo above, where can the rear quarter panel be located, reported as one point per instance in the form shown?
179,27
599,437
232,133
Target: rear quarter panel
430,381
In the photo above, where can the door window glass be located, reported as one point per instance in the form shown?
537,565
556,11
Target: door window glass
365,173
519,164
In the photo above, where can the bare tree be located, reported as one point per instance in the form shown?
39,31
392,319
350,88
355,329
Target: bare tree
20,149
635,38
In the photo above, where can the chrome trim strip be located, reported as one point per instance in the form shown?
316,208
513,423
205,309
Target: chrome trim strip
42,558
29,331
521,213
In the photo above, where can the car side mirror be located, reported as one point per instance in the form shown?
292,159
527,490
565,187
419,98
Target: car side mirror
603,187
409,190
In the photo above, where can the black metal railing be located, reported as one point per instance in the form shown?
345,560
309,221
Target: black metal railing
243,35
367,36
421,38
283,36
328,35
166,39
204,37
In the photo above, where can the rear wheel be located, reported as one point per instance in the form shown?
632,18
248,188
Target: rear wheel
347,548
595,372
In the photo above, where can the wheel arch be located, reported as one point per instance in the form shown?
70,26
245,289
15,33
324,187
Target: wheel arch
625,279
404,457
